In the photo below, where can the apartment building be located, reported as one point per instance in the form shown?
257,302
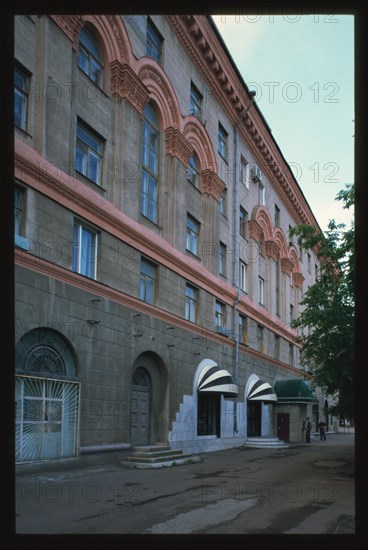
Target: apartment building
155,276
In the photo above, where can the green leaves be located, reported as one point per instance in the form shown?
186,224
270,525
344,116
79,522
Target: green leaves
327,318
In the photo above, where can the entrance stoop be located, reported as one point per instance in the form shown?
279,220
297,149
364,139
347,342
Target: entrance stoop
158,455
266,443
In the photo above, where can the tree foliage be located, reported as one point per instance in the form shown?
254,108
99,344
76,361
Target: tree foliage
326,322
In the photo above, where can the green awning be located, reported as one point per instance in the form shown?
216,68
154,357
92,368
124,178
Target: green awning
294,390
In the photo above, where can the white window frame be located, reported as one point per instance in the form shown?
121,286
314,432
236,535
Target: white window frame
191,303
243,276
192,235
78,267
244,172
261,288
261,194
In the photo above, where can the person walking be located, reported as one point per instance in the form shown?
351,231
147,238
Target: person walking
322,430
307,430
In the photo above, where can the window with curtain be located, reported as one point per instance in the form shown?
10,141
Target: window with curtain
193,171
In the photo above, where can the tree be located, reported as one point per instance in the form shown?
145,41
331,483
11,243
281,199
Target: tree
327,318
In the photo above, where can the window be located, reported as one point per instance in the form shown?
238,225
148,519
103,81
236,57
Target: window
154,42
195,101
192,235
88,154
219,314
261,290
244,172
277,293
277,216
277,346
190,303
243,276
291,312
243,329
19,219
260,338
193,171
300,254
291,237
223,202
90,58
150,164
243,223
18,211
147,282
291,354
222,259
316,272
222,141
21,83
84,250
309,262
261,194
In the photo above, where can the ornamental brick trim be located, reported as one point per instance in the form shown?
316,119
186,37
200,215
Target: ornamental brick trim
271,249
70,25
254,230
298,280
286,266
177,145
127,85
212,184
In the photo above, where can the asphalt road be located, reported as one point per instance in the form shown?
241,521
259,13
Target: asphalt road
306,489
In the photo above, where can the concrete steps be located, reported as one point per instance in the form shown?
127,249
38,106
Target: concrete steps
158,456
265,443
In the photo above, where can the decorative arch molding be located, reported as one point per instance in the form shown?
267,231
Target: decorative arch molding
126,84
198,138
281,242
160,91
262,217
110,28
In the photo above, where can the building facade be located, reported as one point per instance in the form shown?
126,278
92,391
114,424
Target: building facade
155,276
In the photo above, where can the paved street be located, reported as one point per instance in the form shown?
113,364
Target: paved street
305,489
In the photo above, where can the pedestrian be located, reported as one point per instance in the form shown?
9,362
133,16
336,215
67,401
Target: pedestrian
307,430
322,430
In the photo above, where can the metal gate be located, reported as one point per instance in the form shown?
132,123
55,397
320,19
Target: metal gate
46,419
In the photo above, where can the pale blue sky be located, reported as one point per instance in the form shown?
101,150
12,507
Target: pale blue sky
302,68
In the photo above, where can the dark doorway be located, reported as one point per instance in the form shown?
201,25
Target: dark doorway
209,414
140,408
254,418
283,426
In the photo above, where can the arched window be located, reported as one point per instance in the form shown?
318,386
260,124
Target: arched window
89,57
193,171
150,164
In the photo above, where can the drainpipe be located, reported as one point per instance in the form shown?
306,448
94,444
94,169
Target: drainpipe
236,282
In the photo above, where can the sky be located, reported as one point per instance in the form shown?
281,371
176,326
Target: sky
302,69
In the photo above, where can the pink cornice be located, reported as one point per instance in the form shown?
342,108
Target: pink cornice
198,38
160,91
73,195
198,137
39,265
212,184
177,145
126,84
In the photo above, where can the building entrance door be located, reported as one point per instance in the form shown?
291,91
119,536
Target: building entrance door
254,418
140,407
283,426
